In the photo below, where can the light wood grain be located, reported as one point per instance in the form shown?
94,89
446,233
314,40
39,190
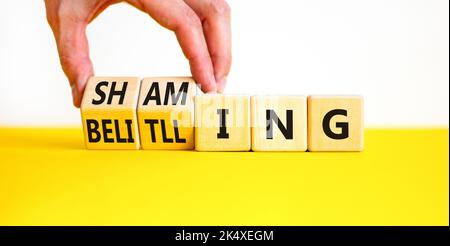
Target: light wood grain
171,109
208,122
319,107
110,120
295,139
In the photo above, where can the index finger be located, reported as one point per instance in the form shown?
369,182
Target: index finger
215,15
177,16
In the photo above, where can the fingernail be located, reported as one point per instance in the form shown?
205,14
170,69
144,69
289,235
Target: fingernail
75,94
74,91
221,84
211,88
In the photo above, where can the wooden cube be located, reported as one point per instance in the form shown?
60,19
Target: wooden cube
335,123
166,113
279,123
108,111
222,123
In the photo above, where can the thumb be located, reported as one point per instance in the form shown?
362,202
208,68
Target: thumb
73,50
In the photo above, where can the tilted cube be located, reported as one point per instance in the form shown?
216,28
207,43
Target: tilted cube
108,112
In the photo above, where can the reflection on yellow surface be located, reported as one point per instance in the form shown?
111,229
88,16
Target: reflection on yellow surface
47,177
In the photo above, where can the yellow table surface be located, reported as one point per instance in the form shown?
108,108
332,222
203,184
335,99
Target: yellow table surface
47,177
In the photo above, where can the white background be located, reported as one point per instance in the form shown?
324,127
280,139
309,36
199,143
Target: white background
393,52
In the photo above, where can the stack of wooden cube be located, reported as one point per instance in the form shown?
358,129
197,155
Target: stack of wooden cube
171,113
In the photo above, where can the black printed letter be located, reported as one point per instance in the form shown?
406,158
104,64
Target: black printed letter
271,117
223,123
342,125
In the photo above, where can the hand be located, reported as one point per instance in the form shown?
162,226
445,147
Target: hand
202,28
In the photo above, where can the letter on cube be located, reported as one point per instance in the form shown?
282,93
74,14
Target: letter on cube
335,123
279,123
166,113
108,111
222,123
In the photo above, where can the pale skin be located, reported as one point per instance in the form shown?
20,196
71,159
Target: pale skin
202,28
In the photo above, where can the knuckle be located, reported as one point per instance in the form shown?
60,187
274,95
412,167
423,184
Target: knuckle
68,63
220,7
52,17
192,20
62,13
72,63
